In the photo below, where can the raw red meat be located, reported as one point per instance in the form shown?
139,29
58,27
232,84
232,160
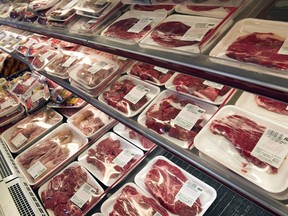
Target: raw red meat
61,188
169,34
120,30
130,202
153,7
202,8
272,105
103,155
159,116
5,96
244,134
164,181
259,48
147,72
115,96
144,141
194,86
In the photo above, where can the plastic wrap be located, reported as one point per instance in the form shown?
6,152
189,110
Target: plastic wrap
30,129
177,118
159,8
82,25
8,102
58,195
22,84
92,7
31,45
13,116
129,95
204,90
52,151
90,121
18,11
177,190
60,95
110,157
43,57
39,5
73,102
62,11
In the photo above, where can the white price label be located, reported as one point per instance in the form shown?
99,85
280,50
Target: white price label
96,67
140,25
123,158
136,94
69,61
189,193
30,42
284,48
38,45
213,84
37,169
197,32
29,81
121,58
271,148
84,193
188,116
37,96
160,69
7,103
19,140
70,5
45,56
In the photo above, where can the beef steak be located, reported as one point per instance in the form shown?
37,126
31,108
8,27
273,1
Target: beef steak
244,134
272,105
259,48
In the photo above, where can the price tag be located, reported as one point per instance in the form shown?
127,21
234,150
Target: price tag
136,94
7,103
38,45
29,81
189,193
96,67
160,69
45,56
69,61
271,148
37,96
140,25
84,193
101,2
123,158
37,169
213,84
30,42
70,5
19,140
197,32
121,58
284,48
188,116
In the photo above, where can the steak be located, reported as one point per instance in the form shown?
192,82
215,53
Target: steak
244,134
147,72
130,202
272,105
146,143
164,181
61,188
120,29
194,86
259,48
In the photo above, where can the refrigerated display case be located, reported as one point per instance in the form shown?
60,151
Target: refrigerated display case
199,65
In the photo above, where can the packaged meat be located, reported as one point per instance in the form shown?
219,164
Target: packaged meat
131,200
90,121
53,151
30,129
39,5
43,57
72,191
181,33
18,11
176,117
22,84
92,7
150,73
10,42
133,26
31,45
248,144
73,102
134,137
5,9
92,71
162,8
13,116
60,65
60,95
129,95
255,42
63,10
110,158
177,190
211,92
269,108
82,25
8,101
207,11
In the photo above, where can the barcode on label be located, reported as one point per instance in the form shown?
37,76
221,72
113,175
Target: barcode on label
123,158
136,94
37,169
197,31
83,194
189,193
277,137
19,140
69,61
213,84
140,25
